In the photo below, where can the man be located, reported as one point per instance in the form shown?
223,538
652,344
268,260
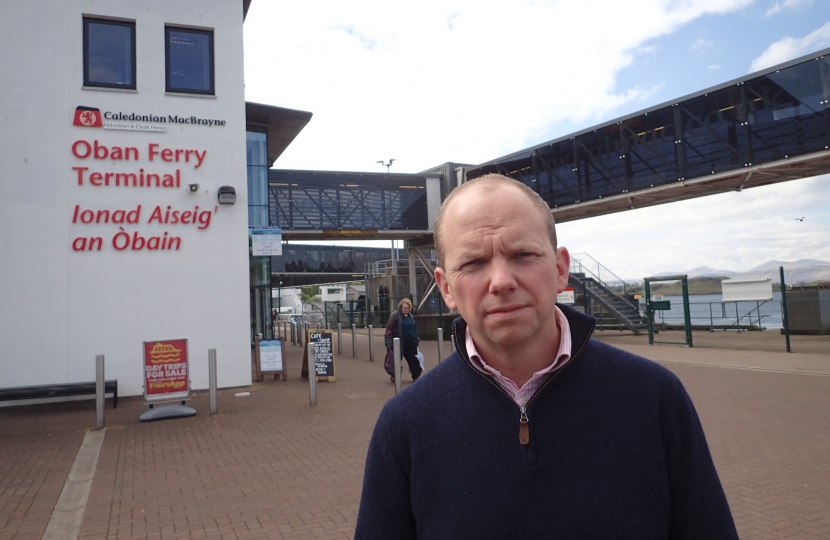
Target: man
532,429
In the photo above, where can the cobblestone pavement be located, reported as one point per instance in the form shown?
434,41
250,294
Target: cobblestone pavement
271,466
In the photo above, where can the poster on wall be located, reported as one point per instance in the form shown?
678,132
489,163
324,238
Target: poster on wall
166,370
266,241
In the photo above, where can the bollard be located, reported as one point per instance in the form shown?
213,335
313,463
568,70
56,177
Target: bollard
339,342
354,343
396,347
100,396
312,375
452,344
300,334
212,380
291,327
371,344
440,344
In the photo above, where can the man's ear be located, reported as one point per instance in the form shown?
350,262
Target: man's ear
563,269
444,287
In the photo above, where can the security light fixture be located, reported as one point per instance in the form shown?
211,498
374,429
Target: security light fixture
227,195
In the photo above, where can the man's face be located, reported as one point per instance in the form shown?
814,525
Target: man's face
500,270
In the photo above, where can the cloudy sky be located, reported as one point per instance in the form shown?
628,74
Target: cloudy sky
469,81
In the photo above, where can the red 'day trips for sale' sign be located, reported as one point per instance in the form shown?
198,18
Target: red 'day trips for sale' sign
165,369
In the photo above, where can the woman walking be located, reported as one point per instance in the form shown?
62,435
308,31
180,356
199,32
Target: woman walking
401,325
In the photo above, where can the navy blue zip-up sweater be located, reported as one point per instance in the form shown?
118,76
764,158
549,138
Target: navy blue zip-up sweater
616,451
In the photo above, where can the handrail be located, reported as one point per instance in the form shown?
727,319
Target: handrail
582,263
384,267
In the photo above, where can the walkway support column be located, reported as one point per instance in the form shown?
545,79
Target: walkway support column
413,281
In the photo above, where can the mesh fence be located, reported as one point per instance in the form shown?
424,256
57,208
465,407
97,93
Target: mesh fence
752,311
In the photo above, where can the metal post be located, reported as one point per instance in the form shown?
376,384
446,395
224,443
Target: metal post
396,347
452,345
440,344
300,334
785,319
687,317
99,391
312,375
212,380
354,342
371,344
649,312
339,340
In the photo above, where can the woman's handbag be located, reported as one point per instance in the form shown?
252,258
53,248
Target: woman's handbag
389,362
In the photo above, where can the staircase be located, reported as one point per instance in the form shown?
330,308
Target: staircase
604,295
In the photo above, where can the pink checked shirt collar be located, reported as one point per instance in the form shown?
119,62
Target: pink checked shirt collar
522,395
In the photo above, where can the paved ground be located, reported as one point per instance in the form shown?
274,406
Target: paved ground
271,466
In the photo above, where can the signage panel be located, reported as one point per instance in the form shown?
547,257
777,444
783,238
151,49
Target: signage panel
266,241
566,296
166,370
323,354
270,351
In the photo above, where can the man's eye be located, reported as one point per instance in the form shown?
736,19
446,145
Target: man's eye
472,263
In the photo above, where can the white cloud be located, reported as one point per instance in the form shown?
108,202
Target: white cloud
789,48
787,4
438,81
713,67
701,44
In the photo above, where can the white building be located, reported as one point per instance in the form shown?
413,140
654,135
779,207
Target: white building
120,121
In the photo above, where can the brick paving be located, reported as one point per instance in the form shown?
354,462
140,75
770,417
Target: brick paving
271,466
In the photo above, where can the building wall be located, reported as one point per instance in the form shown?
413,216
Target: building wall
60,306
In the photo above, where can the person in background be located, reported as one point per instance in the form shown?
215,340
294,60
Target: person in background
532,428
401,325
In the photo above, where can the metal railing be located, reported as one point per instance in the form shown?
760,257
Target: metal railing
386,267
796,318
582,263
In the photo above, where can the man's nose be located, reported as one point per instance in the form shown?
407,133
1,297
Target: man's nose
502,278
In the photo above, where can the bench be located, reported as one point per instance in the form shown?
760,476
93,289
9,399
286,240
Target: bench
59,390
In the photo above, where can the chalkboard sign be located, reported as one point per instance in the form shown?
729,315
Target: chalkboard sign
323,353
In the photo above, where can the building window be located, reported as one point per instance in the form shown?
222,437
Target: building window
257,143
109,53
189,59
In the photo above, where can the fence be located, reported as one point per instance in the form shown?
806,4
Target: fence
794,317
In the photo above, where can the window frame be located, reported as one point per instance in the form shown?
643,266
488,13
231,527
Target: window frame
113,22
167,87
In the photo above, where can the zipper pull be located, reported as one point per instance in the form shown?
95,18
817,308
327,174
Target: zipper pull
524,430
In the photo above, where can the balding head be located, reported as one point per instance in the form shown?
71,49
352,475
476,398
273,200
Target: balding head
492,182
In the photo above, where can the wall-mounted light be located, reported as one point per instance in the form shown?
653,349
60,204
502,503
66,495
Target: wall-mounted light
227,195
193,188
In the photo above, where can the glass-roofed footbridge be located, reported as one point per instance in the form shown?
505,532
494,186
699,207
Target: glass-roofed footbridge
764,128
768,127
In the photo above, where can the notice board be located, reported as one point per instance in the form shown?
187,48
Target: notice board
166,370
323,353
270,358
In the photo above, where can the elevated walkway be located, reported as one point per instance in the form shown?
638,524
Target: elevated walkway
768,127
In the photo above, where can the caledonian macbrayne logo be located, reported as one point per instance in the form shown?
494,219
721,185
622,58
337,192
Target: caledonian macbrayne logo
88,117
164,353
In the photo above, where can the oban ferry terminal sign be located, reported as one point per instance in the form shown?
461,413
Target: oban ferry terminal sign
118,169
